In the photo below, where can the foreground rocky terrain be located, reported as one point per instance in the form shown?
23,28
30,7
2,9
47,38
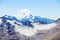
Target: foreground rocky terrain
52,34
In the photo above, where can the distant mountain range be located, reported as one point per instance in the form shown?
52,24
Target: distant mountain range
5,21
28,20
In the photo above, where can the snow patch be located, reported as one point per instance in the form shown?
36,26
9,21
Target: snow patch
31,31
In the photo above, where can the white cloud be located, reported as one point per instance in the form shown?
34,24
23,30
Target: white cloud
25,12
22,13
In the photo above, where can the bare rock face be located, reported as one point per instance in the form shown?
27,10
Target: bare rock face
49,34
56,37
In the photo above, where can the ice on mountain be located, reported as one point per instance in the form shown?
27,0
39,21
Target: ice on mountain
42,20
26,22
36,19
48,21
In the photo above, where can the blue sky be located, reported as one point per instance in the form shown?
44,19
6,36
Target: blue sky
44,8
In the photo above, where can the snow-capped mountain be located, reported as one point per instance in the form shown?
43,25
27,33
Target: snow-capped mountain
42,20
27,25
9,25
28,20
